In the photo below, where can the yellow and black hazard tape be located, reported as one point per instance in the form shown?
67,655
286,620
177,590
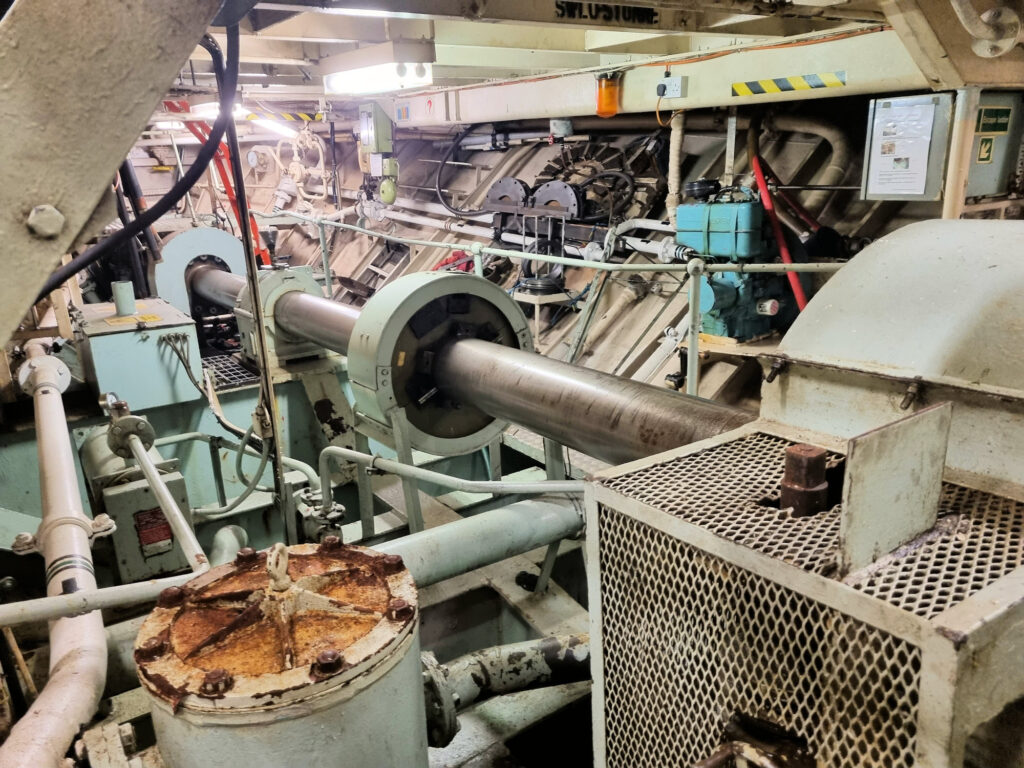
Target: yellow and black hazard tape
796,83
306,117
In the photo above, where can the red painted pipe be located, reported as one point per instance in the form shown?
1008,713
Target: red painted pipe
769,206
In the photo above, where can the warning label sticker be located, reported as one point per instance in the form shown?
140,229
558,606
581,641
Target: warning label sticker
154,532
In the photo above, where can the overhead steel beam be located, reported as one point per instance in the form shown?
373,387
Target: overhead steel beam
634,16
109,66
710,74
677,15
256,50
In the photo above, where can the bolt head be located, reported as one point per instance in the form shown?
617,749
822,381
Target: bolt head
245,556
45,221
216,682
328,662
391,564
171,597
400,610
151,649
805,465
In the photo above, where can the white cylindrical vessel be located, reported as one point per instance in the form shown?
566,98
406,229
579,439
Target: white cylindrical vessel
258,666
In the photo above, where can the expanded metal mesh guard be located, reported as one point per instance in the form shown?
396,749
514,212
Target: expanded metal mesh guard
980,537
729,489
689,639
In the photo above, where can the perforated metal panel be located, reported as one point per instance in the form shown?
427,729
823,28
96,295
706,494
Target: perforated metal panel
689,639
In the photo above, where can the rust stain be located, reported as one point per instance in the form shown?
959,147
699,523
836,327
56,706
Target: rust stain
232,620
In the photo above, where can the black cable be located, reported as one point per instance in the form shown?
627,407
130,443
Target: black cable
133,191
135,257
440,169
178,191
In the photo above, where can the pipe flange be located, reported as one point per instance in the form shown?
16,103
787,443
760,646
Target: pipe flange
440,700
393,343
119,432
48,371
274,284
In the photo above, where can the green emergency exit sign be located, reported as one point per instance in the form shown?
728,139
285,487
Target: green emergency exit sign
993,120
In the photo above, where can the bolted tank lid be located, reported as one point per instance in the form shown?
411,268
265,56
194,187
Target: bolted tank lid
276,626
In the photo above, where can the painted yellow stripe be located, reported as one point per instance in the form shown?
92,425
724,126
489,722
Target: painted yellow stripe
798,83
769,86
742,89
830,80
286,116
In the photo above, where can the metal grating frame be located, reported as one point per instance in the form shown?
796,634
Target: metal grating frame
979,540
229,373
710,601
689,642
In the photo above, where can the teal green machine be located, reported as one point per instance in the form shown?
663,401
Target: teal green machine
729,226
150,360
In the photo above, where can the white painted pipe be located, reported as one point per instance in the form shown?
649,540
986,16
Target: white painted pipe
180,526
675,169
334,452
78,648
77,603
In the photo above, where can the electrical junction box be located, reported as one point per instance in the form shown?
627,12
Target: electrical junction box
997,143
672,87
374,129
126,354
143,541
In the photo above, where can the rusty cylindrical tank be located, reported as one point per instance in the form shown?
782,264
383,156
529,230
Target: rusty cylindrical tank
299,651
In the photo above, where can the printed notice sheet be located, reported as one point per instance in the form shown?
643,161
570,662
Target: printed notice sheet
900,140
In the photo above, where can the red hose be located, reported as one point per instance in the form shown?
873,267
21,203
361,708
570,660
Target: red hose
769,206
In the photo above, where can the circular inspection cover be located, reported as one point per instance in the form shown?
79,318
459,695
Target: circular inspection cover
275,627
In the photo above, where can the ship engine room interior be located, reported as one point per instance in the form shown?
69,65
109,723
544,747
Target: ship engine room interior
512,384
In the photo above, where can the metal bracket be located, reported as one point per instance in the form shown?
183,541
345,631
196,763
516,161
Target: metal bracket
99,527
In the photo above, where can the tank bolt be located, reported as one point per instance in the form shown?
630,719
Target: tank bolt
391,564
151,649
777,367
171,597
328,662
245,556
45,221
400,610
330,544
216,681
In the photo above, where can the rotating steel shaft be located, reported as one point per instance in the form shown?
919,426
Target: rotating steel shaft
604,416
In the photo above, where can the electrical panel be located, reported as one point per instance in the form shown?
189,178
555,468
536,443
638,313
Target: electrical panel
997,143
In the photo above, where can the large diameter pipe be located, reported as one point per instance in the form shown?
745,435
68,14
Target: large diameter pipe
455,548
78,649
519,667
302,315
613,419
604,416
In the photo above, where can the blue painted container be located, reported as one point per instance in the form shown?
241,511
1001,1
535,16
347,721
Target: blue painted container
724,230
